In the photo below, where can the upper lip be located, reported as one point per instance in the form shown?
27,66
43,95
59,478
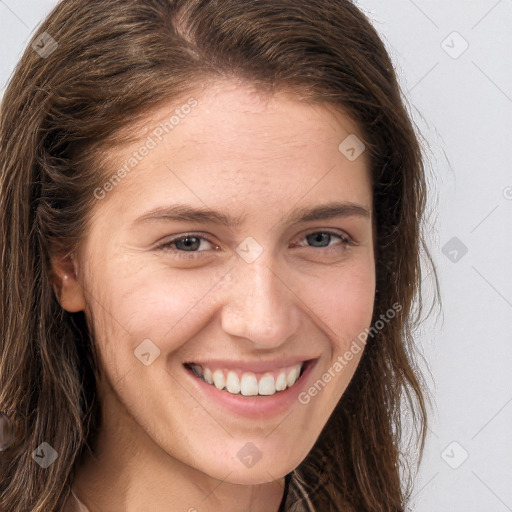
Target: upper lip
254,366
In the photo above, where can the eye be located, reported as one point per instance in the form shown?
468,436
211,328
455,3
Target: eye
322,239
189,243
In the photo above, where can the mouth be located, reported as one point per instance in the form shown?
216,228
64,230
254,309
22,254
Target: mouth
248,383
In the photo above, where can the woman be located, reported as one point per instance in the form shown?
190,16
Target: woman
210,222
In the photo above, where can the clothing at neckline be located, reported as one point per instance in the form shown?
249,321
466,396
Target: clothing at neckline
295,497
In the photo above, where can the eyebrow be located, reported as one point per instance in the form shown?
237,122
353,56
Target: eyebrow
187,213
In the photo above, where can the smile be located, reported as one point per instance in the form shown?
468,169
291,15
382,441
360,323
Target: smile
246,383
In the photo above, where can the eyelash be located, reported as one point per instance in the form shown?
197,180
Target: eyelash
345,242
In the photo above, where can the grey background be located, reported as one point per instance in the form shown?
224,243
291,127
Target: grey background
462,104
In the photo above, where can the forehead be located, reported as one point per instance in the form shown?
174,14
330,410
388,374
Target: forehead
236,145
234,119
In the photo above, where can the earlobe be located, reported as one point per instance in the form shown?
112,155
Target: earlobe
65,282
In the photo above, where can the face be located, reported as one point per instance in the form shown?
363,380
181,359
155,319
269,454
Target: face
274,283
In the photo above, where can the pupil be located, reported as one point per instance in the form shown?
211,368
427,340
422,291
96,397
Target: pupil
317,237
189,242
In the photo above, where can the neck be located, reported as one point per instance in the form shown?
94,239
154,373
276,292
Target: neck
129,476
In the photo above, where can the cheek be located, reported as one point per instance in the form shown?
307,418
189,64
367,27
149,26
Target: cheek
344,303
343,299
133,303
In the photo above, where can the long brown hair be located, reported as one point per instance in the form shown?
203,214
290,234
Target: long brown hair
111,63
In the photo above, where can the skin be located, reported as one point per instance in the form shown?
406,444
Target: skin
161,441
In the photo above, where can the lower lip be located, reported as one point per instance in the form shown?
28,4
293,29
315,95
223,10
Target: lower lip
254,406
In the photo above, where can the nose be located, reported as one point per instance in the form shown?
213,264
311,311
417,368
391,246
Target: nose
260,304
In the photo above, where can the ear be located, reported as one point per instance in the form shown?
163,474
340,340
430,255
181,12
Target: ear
65,283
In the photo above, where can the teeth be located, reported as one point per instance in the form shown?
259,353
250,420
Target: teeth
266,385
281,382
218,379
233,383
249,385
292,376
207,375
